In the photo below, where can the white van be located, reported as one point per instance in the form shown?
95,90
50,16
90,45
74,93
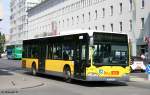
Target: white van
137,64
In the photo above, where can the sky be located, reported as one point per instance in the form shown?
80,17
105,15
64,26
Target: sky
0,9
5,23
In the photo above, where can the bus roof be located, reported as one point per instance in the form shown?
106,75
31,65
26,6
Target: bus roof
90,32
79,31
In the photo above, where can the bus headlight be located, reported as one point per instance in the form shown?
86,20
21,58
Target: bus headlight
92,76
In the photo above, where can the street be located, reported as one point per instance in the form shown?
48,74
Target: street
50,85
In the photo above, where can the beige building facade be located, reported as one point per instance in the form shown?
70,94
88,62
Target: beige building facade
19,19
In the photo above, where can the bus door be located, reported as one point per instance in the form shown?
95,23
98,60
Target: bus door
80,61
42,58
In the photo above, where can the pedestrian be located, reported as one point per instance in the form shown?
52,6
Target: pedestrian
143,56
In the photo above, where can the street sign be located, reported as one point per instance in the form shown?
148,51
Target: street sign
148,69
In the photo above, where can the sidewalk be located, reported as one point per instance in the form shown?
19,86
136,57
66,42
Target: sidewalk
139,82
139,79
11,80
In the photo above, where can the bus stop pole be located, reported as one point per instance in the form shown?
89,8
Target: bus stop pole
148,71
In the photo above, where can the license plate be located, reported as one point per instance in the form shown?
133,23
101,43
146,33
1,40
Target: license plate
111,79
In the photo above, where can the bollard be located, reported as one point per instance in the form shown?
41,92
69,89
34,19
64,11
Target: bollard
148,71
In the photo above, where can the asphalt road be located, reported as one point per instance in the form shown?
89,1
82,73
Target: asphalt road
56,86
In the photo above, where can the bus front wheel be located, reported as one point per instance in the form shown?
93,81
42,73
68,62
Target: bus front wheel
67,74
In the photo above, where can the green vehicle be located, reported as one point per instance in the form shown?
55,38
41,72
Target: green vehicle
14,52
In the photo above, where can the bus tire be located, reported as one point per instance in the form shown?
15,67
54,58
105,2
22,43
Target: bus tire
34,72
67,74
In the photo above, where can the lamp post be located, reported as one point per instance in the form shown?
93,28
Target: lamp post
134,29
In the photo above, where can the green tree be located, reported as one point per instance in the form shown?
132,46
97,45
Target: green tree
2,42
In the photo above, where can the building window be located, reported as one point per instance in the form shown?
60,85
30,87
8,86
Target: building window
90,2
59,23
130,25
120,8
103,12
89,16
112,27
142,22
67,21
85,3
77,19
95,14
82,3
63,23
83,17
79,4
120,26
89,28
142,4
111,10
95,27
131,3
103,26
72,21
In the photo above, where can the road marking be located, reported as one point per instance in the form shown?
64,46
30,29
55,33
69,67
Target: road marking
13,83
4,70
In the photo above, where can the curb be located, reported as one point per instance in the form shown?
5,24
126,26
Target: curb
18,81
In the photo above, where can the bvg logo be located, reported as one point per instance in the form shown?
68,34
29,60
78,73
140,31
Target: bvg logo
102,72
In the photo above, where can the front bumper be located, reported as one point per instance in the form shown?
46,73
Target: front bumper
95,78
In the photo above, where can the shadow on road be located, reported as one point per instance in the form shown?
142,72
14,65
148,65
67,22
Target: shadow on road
5,73
82,83
99,83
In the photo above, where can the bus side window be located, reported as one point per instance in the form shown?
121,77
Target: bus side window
50,52
83,52
65,55
57,52
25,52
98,53
68,52
29,52
106,53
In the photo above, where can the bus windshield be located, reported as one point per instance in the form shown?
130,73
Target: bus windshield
107,54
110,49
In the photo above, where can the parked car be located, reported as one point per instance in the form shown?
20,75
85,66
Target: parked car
137,64
3,55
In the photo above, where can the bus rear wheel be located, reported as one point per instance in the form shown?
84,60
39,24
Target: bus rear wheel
67,74
34,70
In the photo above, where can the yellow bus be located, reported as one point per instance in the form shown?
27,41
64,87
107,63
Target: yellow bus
86,55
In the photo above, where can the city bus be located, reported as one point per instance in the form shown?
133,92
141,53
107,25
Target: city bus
82,55
14,52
